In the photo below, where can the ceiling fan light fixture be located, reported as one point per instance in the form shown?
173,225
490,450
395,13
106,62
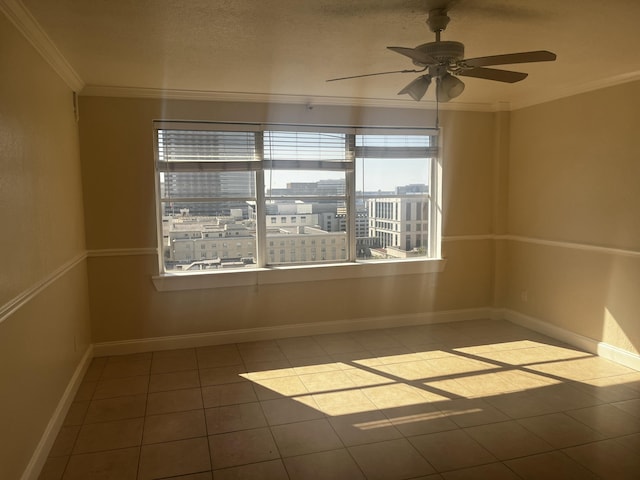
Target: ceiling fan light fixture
417,88
449,87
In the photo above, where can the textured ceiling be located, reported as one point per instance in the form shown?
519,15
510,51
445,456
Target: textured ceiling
287,48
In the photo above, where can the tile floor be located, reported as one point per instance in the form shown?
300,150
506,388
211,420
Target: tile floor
468,400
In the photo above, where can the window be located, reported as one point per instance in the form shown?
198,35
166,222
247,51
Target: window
237,180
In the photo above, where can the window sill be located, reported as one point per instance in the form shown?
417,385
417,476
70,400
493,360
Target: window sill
169,282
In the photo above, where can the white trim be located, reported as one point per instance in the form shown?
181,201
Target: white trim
574,246
13,305
306,100
121,252
602,349
20,16
285,331
39,457
462,238
294,274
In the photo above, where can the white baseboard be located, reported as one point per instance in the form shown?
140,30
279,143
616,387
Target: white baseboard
602,349
41,452
284,331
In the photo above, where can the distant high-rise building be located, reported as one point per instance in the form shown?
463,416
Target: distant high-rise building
183,186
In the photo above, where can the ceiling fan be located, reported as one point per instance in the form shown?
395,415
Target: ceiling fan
443,61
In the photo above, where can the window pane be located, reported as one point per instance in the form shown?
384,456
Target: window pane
313,232
207,184
392,188
289,183
225,238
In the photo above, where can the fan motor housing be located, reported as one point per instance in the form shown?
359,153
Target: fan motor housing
444,52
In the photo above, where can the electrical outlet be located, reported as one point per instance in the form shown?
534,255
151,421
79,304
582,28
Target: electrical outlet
524,296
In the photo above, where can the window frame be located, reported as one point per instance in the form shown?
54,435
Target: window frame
376,267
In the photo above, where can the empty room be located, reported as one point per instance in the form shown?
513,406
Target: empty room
299,240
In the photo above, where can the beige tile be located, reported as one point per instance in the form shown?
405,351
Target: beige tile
632,442
195,476
419,419
391,459
483,384
316,364
85,391
607,419
632,407
394,395
337,343
222,375
362,377
77,412
111,465
263,351
117,408
459,365
127,366
334,465
364,428
271,470
550,466
64,441
358,359
396,355
239,448
560,430
419,370
53,468
508,440
94,371
607,458
326,381
96,437
491,471
268,369
162,382
270,388
607,389
218,356
344,402
174,426
231,418
521,404
305,437
174,361
174,458
451,450
471,412
118,387
174,401
229,394
285,410
300,347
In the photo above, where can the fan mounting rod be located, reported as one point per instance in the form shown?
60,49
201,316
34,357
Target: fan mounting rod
438,21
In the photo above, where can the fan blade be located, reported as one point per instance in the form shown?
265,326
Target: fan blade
417,88
373,74
415,55
522,57
506,76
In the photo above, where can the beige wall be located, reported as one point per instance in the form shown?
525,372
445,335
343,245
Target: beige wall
117,156
44,313
574,177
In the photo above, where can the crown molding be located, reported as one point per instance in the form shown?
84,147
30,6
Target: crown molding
26,24
309,100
